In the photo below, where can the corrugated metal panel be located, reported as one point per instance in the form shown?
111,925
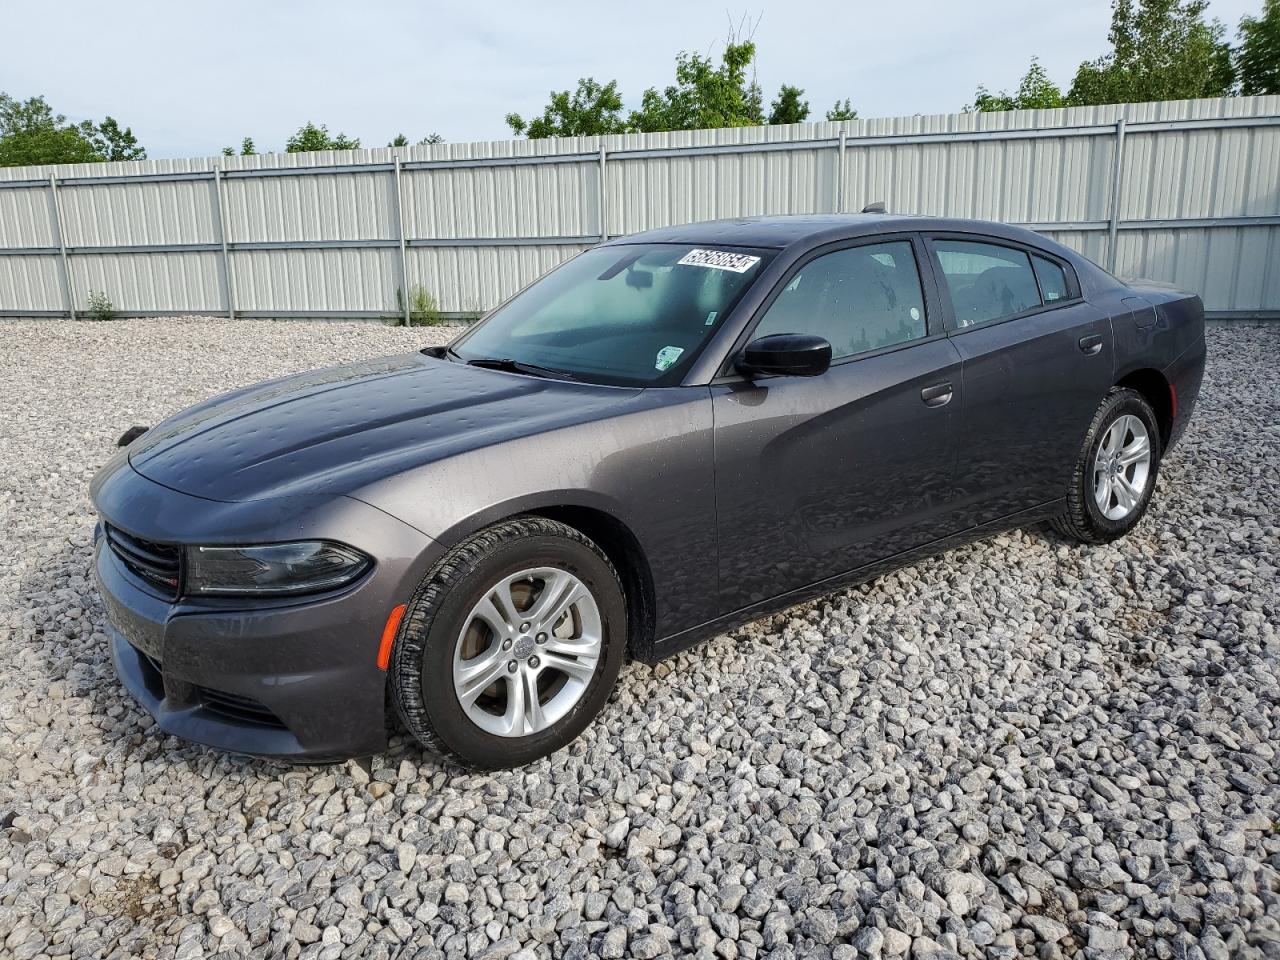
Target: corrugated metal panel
181,282
293,280
132,214
523,201
1232,268
30,283
358,206
26,218
1048,167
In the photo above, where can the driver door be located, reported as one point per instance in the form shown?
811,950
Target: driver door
817,476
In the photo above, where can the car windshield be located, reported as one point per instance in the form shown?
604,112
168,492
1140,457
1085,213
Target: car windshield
634,314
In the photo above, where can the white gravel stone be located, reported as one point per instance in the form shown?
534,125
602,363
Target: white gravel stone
1022,748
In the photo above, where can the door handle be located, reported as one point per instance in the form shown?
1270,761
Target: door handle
1091,345
938,395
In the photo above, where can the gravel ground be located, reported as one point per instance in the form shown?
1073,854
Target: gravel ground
1023,748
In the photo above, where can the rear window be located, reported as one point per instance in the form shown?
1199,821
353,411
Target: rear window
986,281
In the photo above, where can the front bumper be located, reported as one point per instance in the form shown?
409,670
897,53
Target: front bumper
297,679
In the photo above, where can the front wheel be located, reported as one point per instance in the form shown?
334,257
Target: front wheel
511,645
1115,474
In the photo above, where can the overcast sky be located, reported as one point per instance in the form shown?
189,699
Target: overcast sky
190,78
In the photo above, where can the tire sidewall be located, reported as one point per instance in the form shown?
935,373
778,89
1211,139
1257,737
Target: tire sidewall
425,666
1127,402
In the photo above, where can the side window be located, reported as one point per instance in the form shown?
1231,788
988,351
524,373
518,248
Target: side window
986,281
1053,279
859,299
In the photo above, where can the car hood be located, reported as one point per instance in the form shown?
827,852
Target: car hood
337,429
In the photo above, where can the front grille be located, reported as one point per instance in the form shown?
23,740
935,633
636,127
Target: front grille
235,707
157,563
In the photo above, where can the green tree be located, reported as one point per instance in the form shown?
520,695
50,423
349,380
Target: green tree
1160,50
32,133
111,142
704,95
402,141
1035,92
590,110
842,110
247,149
46,145
1258,56
788,107
311,137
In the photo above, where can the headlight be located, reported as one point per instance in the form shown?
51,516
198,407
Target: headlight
277,568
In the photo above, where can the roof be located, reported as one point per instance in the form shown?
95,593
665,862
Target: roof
785,231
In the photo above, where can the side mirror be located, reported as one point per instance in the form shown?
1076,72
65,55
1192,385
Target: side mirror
787,355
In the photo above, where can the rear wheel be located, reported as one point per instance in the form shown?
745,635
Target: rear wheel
511,645
1115,474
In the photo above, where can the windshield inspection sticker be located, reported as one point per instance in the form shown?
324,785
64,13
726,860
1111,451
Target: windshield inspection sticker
667,356
718,260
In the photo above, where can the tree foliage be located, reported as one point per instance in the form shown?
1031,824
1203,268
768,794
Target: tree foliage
788,107
111,142
1160,50
590,110
842,110
1035,92
402,141
247,149
705,94
32,133
312,137
1258,56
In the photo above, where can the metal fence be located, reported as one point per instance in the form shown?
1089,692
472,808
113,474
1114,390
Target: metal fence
1185,191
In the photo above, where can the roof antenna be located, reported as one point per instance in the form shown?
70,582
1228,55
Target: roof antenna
876,207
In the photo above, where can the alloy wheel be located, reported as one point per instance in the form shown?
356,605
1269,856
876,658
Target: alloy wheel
1122,467
527,652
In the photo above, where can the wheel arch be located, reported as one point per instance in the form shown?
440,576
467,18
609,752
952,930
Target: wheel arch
591,516
1156,390
623,549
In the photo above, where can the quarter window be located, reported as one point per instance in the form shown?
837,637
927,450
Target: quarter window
1053,279
987,282
861,298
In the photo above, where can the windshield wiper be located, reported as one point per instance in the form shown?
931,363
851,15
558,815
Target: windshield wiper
518,366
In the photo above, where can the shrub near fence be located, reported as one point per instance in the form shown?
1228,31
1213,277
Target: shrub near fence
1185,191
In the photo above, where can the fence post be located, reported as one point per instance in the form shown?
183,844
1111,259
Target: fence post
604,203
840,172
404,258
227,282
67,289
1117,178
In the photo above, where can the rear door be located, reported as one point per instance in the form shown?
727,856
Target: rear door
816,476
1036,360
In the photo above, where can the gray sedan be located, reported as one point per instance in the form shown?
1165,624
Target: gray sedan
670,434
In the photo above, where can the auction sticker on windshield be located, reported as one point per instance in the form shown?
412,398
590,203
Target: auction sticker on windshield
719,260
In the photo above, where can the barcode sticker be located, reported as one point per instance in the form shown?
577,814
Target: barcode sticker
719,260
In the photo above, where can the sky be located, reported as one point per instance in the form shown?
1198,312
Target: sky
191,78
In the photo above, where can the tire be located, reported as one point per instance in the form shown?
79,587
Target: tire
453,639
1121,413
